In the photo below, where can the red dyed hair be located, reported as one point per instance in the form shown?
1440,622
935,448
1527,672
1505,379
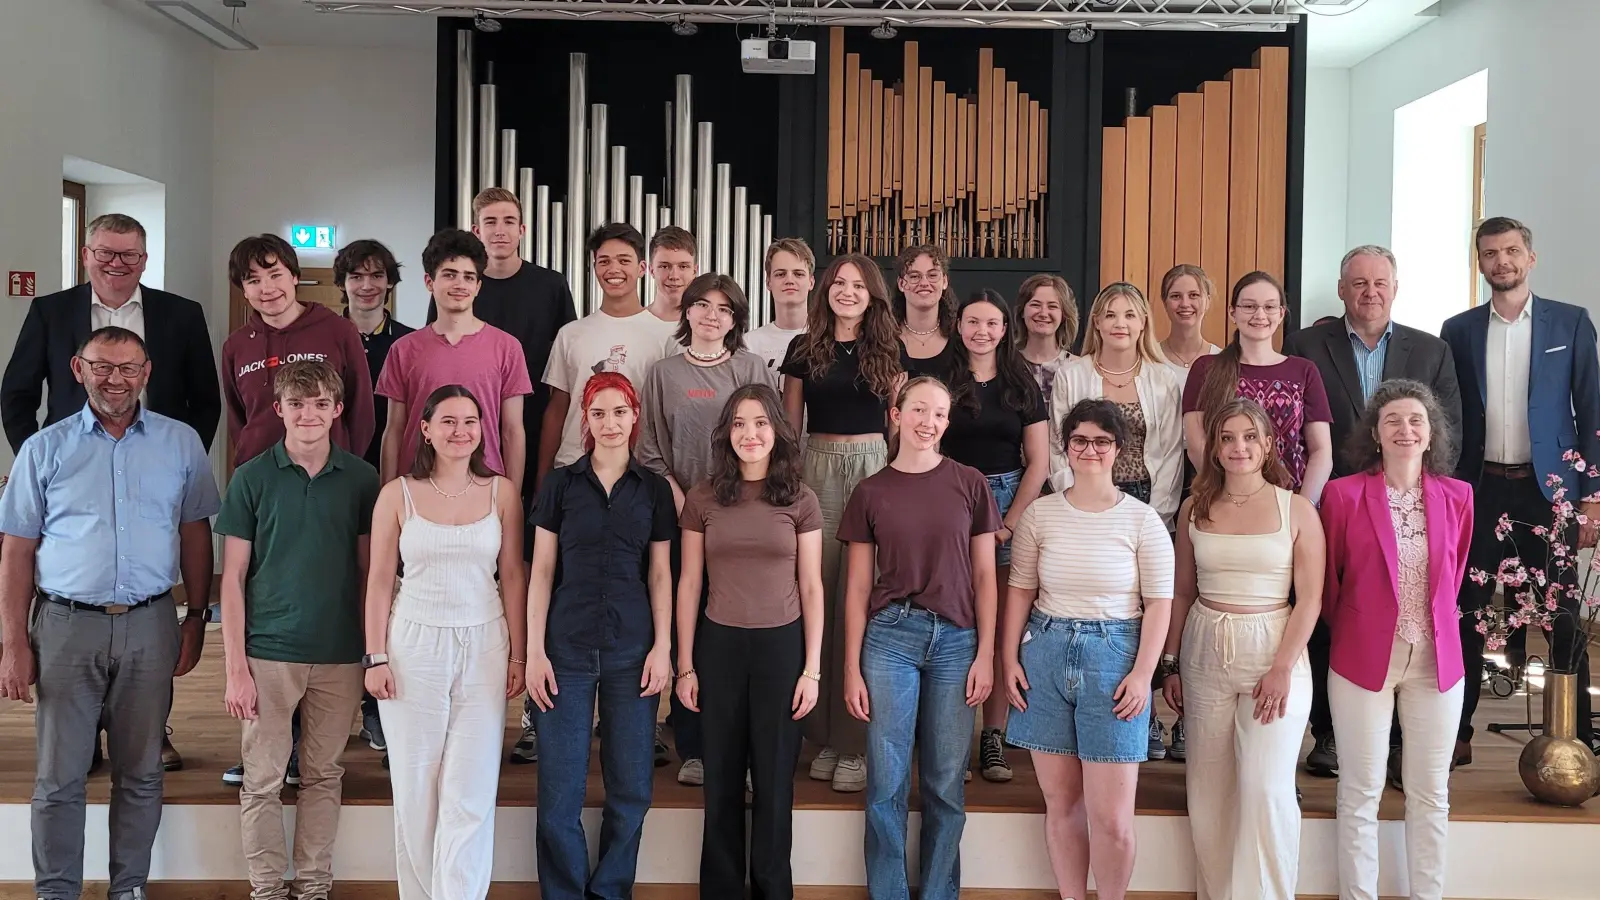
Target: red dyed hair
602,381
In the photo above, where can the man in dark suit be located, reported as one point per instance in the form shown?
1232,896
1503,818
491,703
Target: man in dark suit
183,373
1355,353
1530,392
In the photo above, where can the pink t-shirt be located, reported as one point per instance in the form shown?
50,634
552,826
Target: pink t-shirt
489,363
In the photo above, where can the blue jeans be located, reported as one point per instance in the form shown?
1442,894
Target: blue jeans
915,665
627,750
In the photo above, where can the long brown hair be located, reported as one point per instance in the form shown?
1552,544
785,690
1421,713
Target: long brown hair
782,484
877,342
422,464
1210,477
1222,379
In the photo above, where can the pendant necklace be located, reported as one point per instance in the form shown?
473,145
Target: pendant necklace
440,491
1239,503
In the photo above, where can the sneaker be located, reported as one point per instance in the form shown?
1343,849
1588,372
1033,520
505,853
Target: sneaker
850,775
692,773
992,756
1392,771
823,766
662,756
372,730
526,749
1180,744
1158,744
291,773
1323,760
170,760
234,777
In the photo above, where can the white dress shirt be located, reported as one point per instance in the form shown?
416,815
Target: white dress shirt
1507,355
129,315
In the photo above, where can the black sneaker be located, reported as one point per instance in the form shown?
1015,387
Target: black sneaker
526,749
234,777
1323,760
662,756
372,730
1158,743
992,757
291,774
1180,742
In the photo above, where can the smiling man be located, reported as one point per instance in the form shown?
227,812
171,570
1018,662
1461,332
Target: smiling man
672,267
366,273
183,374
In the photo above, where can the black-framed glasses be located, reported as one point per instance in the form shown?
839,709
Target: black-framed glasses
1079,444
104,369
128,257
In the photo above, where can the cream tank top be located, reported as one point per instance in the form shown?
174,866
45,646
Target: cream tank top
1246,569
449,569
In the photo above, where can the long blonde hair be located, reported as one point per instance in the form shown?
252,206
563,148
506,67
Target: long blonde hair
1149,350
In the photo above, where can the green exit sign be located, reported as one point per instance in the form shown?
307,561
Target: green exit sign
312,237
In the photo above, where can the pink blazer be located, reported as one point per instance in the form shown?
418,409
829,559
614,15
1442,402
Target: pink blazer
1363,583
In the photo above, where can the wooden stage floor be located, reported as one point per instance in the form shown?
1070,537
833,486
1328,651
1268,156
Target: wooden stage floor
1486,791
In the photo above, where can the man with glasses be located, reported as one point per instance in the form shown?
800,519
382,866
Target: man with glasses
183,376
105,512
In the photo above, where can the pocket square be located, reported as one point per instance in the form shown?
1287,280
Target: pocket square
1554,349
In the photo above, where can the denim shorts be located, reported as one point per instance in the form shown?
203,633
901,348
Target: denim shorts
1004,488
1073,668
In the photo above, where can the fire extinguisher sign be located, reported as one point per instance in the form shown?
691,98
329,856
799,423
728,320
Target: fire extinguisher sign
21,284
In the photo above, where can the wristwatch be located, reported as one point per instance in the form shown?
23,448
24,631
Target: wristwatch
373,660
198,615
1167,666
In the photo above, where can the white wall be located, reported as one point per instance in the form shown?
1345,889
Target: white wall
1542,86
352,148
148,204
1327,191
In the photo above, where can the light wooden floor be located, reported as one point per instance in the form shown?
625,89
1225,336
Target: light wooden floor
1487,790
376,890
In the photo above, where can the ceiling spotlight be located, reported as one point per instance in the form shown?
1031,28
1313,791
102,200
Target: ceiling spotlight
885,31
685,28
1080,34
485,24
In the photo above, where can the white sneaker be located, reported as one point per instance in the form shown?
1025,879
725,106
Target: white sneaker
692,773
822,767
850,775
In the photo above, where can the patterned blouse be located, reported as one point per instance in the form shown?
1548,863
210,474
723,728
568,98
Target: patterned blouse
1292,394
1129,467
1411,543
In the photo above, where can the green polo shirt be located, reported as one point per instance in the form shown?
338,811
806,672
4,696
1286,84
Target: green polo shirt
303,594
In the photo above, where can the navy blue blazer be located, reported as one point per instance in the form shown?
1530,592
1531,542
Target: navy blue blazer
1563,391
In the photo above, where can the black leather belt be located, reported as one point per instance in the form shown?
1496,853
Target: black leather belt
1508,472
113,610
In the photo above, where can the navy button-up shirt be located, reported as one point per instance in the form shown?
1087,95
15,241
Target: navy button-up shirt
106,511
602,600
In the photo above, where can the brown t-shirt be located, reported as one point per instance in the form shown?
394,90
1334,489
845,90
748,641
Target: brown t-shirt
751,549
923,524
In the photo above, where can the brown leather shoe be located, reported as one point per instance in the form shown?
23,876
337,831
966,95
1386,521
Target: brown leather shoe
170,760
1463,755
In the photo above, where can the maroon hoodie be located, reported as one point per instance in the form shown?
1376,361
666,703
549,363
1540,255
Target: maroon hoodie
250,360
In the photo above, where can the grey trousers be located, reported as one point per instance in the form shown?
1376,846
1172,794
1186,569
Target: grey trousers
99,669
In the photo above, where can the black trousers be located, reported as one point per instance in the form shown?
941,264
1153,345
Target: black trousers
747,681
687,729
1522,500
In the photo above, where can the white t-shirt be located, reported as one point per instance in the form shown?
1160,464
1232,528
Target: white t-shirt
1092,565
600,342
1182,371
771,343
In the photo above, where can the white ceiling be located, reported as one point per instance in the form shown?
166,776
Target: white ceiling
1344,35
292,23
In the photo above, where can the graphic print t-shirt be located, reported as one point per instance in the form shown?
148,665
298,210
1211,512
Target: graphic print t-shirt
602,343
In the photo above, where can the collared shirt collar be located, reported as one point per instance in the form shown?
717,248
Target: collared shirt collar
584,465
136,300
280,455
88,422
1527,312
382,326
1388,330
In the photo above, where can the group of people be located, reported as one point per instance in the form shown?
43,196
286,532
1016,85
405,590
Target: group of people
878,524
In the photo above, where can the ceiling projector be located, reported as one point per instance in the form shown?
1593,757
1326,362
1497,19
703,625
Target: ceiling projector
778,56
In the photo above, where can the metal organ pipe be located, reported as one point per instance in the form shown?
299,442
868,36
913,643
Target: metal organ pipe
465,159
526,196
683,154
703,168
756,290
488,136
508,161
721,227
558,248
619,185
738,237
541,229
577,182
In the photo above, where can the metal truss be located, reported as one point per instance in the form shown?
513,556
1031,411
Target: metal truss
1158,15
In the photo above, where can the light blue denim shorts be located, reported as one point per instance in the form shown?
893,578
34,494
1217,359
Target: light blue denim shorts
1073,668
1004,488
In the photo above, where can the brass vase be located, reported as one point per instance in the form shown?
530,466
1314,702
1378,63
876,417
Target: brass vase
1555,766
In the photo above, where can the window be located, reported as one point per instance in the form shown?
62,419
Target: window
1480,150
73,225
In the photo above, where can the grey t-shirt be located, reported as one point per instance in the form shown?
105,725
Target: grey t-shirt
681,403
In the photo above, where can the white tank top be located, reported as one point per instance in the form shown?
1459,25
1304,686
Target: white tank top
1246,569
449,569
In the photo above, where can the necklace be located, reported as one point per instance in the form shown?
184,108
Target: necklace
921,334
440,491
1110,376
848,351
1241,501
1186,363
707,357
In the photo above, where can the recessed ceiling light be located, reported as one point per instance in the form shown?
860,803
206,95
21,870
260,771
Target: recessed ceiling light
185,14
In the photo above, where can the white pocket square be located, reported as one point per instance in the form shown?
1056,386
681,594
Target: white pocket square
1554,349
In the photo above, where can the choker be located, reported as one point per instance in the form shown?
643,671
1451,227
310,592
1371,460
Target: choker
706,357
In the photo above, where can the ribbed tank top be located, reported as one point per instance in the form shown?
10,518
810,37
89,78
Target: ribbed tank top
449,569
1246,569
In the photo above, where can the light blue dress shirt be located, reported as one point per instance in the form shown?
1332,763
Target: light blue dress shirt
1369,362
105,511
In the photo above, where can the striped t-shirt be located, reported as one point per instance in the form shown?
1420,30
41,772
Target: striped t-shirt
1092,565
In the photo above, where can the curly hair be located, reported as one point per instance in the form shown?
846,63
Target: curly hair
1099,412
1365,453
782,484
1209,479
877,342
947,301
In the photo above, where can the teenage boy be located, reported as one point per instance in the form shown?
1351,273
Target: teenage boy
282,330
457,348
673,266
294,561
790,269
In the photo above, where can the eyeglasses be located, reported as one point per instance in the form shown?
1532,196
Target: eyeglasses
1079,444
104,369
919,278
128,257
1251,309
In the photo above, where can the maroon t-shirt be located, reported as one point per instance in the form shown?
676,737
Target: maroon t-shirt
1292,394
923,524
